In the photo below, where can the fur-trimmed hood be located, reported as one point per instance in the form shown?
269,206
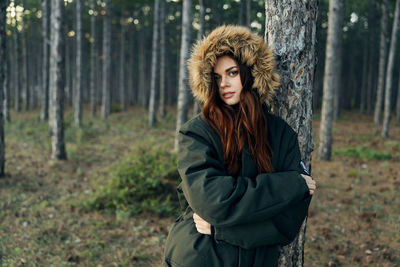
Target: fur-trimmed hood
246,46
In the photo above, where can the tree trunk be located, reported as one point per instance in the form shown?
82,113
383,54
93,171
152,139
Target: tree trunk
142,70
337,75
93,51
241,9
3,79
122,90
44,115
333,44
389,71
162,58
183,80
154,63
25,75
17,88
248,13
56,120
382,65
78,66
364,83
106,101
296,65
200,34
132,90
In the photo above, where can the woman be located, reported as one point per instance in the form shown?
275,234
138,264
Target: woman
244,192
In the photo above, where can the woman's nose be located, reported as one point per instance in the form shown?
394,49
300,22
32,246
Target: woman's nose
224,82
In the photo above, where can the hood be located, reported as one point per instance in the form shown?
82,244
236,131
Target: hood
246,46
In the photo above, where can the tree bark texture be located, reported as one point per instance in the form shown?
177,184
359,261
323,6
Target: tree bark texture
106,101
382,65
78,66
183,94
398,103
162,59
154,64
25,75
290,29
338,81
122,90
363,93
44,115
17,88
142,70
331,64
56,115
389,71
3,79
200,34
93,51
248,13
132,89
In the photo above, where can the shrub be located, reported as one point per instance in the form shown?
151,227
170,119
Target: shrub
145,181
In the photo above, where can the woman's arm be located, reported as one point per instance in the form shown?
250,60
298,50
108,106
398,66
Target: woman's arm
223,200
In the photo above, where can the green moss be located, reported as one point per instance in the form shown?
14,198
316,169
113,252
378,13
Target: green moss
362,152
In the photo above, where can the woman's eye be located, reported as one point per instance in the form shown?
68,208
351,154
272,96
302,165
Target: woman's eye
233,73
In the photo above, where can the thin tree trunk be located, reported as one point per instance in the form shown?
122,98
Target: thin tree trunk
389,71
184,54
331,64
364,83
93,51
162,58
248,13
154,63
296,65
17,83
132,90
57,81
78,66
6,96
122,89
382,65
44,115
25,75
371,72
142,70
3,79
337,75
241,9
106,101
200,34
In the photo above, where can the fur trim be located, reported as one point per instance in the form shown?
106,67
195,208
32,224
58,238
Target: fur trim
246,46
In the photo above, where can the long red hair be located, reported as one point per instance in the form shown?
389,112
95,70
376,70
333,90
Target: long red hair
240,124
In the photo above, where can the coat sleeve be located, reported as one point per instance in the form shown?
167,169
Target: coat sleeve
224,200
280,229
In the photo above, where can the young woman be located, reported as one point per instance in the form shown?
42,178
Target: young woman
244,192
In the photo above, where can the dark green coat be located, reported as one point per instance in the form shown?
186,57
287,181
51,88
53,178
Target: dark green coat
252,214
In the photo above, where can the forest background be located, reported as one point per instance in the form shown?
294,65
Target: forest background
105,195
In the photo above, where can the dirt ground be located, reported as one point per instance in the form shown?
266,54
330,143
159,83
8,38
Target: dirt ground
354,217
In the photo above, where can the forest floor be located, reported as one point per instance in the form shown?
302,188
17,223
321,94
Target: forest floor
354,217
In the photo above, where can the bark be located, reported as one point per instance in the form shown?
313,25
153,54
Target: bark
200,34
337,75
44,115
142,70
371,73
382,65
295,21
106,101
17,88
183,75
122,90
389,71
56,120
331,64
248,13
162,58
93,50
241,9
6,91
78,67
68,83
25,74
154,65
3,79
132,90
363,93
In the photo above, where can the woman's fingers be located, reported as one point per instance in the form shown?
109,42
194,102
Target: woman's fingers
312,185
202,226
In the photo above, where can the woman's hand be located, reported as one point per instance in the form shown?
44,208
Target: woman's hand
202,226
310,183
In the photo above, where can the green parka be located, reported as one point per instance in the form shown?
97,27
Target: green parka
253,214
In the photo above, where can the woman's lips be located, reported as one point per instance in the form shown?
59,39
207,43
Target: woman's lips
228,95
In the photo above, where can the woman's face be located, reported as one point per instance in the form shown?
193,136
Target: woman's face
227,76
